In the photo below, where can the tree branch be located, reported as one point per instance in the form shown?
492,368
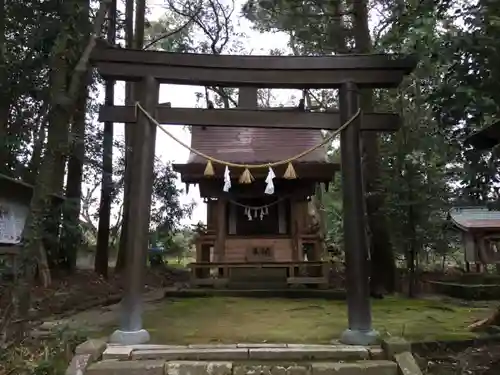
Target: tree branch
82,65
176,31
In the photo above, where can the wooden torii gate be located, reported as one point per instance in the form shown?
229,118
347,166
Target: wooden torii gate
348,73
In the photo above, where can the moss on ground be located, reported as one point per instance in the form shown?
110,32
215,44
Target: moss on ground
231,319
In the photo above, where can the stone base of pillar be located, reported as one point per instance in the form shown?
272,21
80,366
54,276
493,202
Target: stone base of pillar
129,338
354,337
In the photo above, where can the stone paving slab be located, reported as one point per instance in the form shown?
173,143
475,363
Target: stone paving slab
309,353
376,353
262,345
226,346
79,364
94,347
395,345
315,345
272,369
192,354
407,364
224,352
355,368
198,368
115,367
148,346
159,367
118,352
213,346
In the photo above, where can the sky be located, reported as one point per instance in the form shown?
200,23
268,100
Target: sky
184,96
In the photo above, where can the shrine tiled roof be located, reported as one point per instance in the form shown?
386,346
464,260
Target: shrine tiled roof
470,218
255,145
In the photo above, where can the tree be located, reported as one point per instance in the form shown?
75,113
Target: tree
102,248
166,210
65,69
467,99
323,28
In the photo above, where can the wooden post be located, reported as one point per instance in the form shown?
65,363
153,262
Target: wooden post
210,223
360,330
142,158
247,97
220,240
199,247
232,224
295,231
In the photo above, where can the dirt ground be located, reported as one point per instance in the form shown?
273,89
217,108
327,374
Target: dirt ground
482,360
84,290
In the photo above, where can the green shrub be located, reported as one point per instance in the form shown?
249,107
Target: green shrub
41,357
468,291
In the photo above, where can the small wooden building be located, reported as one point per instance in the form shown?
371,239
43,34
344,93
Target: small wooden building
15,196
480,228
253,239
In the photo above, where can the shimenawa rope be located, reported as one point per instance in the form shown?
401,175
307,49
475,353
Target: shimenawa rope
246,177
257,210
258,207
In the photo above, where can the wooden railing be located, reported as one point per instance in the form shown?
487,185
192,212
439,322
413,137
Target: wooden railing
219,275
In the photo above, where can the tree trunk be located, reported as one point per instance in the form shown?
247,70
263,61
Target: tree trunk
412,245
40,205
5,99
58,147
383,268
36,156
72,235
102,250
121,258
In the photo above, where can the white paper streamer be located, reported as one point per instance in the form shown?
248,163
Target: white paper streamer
269,182
227,180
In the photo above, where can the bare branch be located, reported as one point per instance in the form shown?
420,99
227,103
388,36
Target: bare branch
83,62
176,31
87,201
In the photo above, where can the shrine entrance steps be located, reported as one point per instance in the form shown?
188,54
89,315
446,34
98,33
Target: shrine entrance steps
293,293
243,359
252,278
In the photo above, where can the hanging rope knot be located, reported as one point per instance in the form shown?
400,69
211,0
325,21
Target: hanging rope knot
209,169
290,172
137,105
246,177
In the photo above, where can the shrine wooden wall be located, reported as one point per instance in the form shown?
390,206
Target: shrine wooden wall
283,247
304,218
238,249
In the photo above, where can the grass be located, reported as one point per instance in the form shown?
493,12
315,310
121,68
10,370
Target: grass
177,262
231,320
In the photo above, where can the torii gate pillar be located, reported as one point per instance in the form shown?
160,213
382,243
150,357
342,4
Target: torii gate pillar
131,330
359,330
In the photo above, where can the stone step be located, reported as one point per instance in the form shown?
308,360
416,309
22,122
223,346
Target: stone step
252,285
159,367
242,352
